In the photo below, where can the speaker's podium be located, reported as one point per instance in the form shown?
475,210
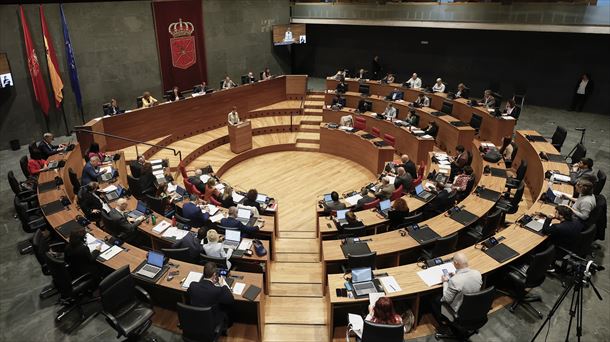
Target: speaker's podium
240,136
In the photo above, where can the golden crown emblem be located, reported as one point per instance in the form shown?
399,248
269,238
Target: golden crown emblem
181,28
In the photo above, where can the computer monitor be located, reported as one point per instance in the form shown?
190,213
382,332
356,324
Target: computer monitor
364,89
384,205
341,214
155,258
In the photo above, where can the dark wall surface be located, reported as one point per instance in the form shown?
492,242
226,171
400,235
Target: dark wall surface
546,66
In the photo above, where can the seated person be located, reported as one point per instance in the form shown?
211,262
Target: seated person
338,101
512,109
196,213
232,222
340,75
94,150
226,200
121,214
147,180
212,291
267,74
352,222
194,243
148,101
79,257
250,200
175,94
113,109
431,129
341,87
489,100
383,312
389,78
395,95
459,161
439,86
233,117
346,121
47,148
566,233
507,149
251,79
201,89
214,248
399,211
408,165
363,106
412,119
422,100
334,204
36,163
135,166
362,74
90,202
413,82
167,198
403,178
460,182
390,112
385,189
364,192
440,203
580,169
585,203
210,190
462,91
196,181
227,83
91,171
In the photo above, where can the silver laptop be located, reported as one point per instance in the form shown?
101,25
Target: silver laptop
362,281
232,238
245,216
341,216
421,193
154,265
384,207
535,225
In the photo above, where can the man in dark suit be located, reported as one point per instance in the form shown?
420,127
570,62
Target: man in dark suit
408,165
334,204
403,178
135,166
91,171
439,204
566,233
193,212
120,214
232,222
89,201
47,148
395,95
364,200
196,181
341,87
212,291
339,101
432,129
582,91
364,106
193,243
462,91
376,68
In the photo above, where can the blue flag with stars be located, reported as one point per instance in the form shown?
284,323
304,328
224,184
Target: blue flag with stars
71,62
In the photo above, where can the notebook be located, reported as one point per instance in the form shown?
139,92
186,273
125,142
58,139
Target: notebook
67,228
52,208
501,253
463,216
423,234
498,172
489,195
44,187
251,293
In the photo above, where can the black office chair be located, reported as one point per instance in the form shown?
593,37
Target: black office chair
481,232
410,220
134,186
471,316
559,137
348,232
375,332
528,276
32,219
72,291
113,227
23,163
475,122
601,182
580,151
181,219
181,254
359,260
126,306
510,205
585,241
198,324
24,195
598,216
74,180
158,205
514,182
220,262
139,102
442,246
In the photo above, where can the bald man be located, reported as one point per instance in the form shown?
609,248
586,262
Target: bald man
128,226
91,171
408,165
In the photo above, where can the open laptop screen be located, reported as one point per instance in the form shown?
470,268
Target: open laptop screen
361,274
261,198
141,207
384,205
328,198
341,214
155,259
233,235
244,213
419,189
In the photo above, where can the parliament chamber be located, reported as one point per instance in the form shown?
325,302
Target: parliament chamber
296,207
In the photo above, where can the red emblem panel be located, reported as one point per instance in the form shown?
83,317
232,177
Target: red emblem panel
183,50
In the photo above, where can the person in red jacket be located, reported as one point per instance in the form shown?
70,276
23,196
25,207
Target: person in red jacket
36,163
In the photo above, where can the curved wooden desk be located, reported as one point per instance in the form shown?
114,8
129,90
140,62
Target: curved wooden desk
520,239
492,128
132,255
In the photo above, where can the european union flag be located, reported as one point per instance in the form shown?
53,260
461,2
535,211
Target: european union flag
71,62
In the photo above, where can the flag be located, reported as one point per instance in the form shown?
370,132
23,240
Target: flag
56,82
70,60
40,89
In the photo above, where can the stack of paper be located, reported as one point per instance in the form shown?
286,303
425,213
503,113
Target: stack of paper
353,200
427,136
191,277
238,288
162,226
212,209
110,252
171,187
220,187
444,162
487,144
245,244
557,177
173,232
92,243
389,284
237,197
204,178
432,275
109,188
391,178
216,218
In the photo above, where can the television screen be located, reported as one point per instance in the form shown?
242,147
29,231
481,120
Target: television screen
289,34
6,79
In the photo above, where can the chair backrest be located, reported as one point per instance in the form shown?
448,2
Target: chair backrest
181,254
472,314
12,181
110,226
371,204
585,241
156,204
23,163
134,186
353,231
60,273
390,139
409,220
74,180
375,131
396,193
475,121
601,181
361,260
374,332
536,271
182,170
579,153
445,245
139,101
197,323
521,170
181,219
360,123
518,195
117,290
559,137
492,222
220,262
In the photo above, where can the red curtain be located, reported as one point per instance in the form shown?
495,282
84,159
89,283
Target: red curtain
180,41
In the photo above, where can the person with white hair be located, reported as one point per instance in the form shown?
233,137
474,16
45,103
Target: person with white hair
413,82
385,189
91,171
47,148
439,86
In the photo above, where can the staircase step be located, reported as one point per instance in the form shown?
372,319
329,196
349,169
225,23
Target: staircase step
314,97
309,128
315,104
292,257
296,310
307,147
295,272
308,137
295,290
296,246
297,235
313,110
311,119
290,332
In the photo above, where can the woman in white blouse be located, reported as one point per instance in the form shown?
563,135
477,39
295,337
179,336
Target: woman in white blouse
215,249
438,87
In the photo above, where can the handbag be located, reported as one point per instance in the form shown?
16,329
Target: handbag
259,249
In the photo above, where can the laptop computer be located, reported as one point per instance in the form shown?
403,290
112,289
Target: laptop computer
232,238
384,207
421,193
53,164
362,281
327,198
154,265
341,216
260,198
245,216
114,194
553,198
535,225
139,210
106,176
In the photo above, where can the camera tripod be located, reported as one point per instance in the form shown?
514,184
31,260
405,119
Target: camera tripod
582,142
581,280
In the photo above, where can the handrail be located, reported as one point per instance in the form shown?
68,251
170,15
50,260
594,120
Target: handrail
178,153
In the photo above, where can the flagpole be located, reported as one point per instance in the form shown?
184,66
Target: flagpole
82,114
63,113
46,120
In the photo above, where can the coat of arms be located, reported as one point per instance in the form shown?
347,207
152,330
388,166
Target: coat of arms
182,44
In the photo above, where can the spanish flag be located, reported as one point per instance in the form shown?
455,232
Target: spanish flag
56,82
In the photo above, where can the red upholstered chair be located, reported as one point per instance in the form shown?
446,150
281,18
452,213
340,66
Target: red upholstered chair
375,131
215,202
191,188
360,123
182,169
397,193
420,175
371,205
390,139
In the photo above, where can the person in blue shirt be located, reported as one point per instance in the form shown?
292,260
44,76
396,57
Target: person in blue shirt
91,171
193,211
232,222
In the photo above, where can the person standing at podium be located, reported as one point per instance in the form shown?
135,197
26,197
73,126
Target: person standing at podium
233,117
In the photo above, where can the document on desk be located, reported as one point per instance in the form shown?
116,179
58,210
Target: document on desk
558,177
237,197
162,226
204,178
389,284
220,187
432,275
110,253
357,323
444,162
216,218
353,200
212,209
238,288
392,179
245,244
441,156
171,187
191,277
373,296
107,168
173,232
92,243
109,188
507,117
427,136
346,128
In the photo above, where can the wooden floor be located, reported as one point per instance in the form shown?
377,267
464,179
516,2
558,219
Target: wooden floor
296,308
